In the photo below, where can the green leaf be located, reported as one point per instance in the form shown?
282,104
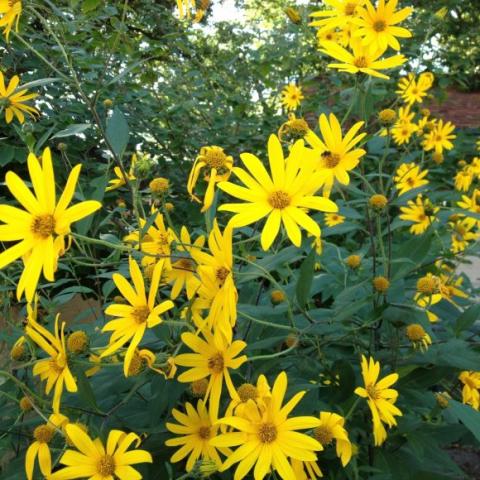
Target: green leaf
467,415
85,390
89,5
467,319
305,278
117,132
40,82
73,129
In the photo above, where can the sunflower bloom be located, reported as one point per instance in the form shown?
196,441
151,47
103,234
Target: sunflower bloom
41,228
306,470
212,358
282,197
463,179
217,166
409,176
267,438
378,27
462,234
135,317
421,213
119,181
402,132
334,154
380,398
341,14
55,368
471,388
92,459
10,11
332,219
418,336
412,90
217,291
332,428
440,138
196,428
471,204
14,98
292,96
361,59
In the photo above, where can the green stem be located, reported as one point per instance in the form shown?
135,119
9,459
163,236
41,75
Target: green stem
272,355
264,322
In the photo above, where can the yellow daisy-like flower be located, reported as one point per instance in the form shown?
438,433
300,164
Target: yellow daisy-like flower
217,291
471,388
306,470
331,35
119,181
217,166
293,129
361,59
43,435
463,179
421,212
418,336
439,139
409,176
413,91
282,197
135,317
462,234
292,96
332,428
449,283
212,358
332,219
93,459
195,428
402,132
472,203
339,16
380,398
55,368
41,228
10,11
183,271
334,154
13,98
378,28
266,438
259,393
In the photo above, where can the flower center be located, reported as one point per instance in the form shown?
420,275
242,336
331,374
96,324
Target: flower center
380,26
43,433
331,160
267,433
140,314
438,138
199,387
163,239
373,393
204,433
43,225
215,158
247,391
279,199
350,8
360,62
216,363
323,435
411,181
415,332
57,364
184,264
221,274
106,466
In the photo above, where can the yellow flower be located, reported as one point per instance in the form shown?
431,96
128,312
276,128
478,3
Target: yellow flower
462,234
159,185
140,314
293,15
421,213
449,284
54,369
277,297
294,128
217,290
195,428
418,336
332,219
334,154
119,181
332,428
77,342
212,358
381,284
429,284
409,176
378,28
43,435
217,165
440,137
282,196
413,91
380,398
183,272
10,11
267,438
387,116
471,388
41,228
13,98
259,393
340,16
93,460
353,261
306,470
402,132
292,96
378,201
361,59
327,36
18,350
185,8
463,179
